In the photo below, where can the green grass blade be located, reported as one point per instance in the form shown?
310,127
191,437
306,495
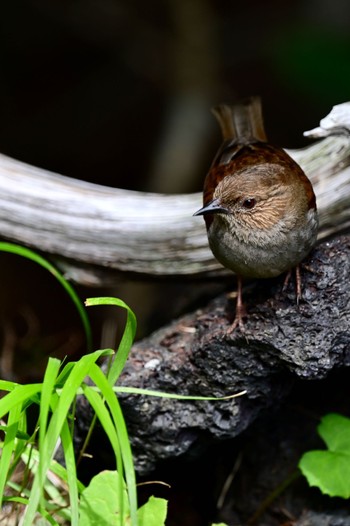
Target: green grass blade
48,385
9,446
19,500
46,515
161,394
68,448
64,373
33,256
20,395
98,405
6,385
127,338
21,444
102,382
61,472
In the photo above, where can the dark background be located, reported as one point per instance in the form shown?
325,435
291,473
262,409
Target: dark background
118,92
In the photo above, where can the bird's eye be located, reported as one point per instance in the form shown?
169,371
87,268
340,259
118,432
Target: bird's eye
249,203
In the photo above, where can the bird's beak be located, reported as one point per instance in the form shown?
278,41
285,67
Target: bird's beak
214,207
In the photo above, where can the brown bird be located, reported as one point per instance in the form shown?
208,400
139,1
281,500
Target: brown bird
259,206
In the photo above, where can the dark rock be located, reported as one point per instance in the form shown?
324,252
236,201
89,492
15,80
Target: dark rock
312,518
194,356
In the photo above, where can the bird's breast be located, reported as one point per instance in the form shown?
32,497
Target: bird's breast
261,253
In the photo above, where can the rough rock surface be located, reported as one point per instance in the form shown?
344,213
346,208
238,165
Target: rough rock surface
195,356
310,518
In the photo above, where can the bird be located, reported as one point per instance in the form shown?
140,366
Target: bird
259,206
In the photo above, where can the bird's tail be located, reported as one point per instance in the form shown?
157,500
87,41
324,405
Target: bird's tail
242,121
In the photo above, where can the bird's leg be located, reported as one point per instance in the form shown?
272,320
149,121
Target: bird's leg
240,309
297,282
286,280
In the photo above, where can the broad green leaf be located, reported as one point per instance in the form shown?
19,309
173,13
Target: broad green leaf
329,470
100,504
153,513
334,429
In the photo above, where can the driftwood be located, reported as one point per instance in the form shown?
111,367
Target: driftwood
91,228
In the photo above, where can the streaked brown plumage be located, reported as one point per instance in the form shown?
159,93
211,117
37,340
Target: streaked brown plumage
259,207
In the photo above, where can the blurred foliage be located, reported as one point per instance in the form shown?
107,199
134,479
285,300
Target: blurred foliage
119,92
315,61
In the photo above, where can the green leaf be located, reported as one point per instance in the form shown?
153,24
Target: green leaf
153,513
329,470
334,429
100,503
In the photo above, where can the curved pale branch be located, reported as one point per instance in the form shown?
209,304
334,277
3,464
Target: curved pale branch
91,227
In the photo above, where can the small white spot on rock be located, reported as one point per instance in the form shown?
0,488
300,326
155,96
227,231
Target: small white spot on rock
152,364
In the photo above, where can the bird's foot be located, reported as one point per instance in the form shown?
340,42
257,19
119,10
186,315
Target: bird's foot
297,282
238,321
